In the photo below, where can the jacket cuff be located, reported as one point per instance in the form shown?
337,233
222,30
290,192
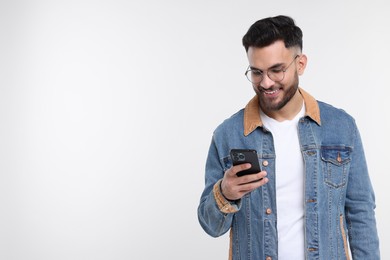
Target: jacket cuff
223,204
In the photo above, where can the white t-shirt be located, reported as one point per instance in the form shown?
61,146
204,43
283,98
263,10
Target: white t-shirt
289,186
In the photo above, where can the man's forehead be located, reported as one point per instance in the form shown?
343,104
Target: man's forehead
268,56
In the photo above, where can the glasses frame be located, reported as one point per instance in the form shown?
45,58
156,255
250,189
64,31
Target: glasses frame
267,72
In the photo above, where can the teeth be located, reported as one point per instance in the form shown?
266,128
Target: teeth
270,92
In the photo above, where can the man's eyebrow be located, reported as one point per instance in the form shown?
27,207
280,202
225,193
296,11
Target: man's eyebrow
277,65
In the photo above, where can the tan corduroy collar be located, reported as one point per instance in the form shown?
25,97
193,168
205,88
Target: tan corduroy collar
252,118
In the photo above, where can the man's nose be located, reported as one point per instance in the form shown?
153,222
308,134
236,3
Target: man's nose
266,82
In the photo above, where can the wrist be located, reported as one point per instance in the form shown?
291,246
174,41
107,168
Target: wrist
226,198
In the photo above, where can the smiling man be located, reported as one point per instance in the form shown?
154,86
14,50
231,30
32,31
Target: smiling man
313,198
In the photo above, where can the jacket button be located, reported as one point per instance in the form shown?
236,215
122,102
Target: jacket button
268,211
268,258
265,163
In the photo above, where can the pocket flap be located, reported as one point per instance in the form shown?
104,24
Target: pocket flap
336,155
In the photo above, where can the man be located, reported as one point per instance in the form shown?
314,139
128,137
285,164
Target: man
313,198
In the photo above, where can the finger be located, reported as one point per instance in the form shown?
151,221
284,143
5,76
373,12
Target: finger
252,177
238,168
248,187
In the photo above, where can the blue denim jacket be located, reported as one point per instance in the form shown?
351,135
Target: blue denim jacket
339,199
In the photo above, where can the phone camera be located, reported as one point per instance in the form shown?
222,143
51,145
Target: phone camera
238,157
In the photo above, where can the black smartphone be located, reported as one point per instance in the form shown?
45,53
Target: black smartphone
240,156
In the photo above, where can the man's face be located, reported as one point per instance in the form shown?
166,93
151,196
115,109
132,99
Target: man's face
274,95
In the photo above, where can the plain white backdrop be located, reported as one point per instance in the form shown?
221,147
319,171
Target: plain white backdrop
107,110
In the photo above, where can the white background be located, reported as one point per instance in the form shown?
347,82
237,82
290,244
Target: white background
107,110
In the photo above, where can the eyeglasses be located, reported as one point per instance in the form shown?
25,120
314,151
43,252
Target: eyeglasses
275,74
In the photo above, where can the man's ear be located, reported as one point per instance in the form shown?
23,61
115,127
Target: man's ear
302,61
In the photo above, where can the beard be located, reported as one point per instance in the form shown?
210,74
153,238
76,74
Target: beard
272,104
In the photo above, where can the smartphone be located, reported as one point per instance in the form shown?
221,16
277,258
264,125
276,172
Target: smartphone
240,156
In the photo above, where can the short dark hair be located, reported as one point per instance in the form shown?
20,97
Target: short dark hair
269,30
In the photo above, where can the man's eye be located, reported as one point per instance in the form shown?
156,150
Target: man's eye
276,71
256,73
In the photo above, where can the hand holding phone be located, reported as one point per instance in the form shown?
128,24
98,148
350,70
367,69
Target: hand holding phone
233,186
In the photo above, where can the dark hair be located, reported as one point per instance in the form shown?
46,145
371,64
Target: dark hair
269,30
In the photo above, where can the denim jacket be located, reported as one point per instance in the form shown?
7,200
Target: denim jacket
339,200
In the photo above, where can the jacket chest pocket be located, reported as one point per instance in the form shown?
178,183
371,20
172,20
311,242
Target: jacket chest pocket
226,163
336,163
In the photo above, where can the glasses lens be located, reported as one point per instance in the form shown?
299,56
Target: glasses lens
276,75
254,76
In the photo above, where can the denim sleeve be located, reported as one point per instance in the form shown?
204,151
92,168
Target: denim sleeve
360,207
215,213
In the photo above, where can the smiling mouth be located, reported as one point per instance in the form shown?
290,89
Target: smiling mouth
270,92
